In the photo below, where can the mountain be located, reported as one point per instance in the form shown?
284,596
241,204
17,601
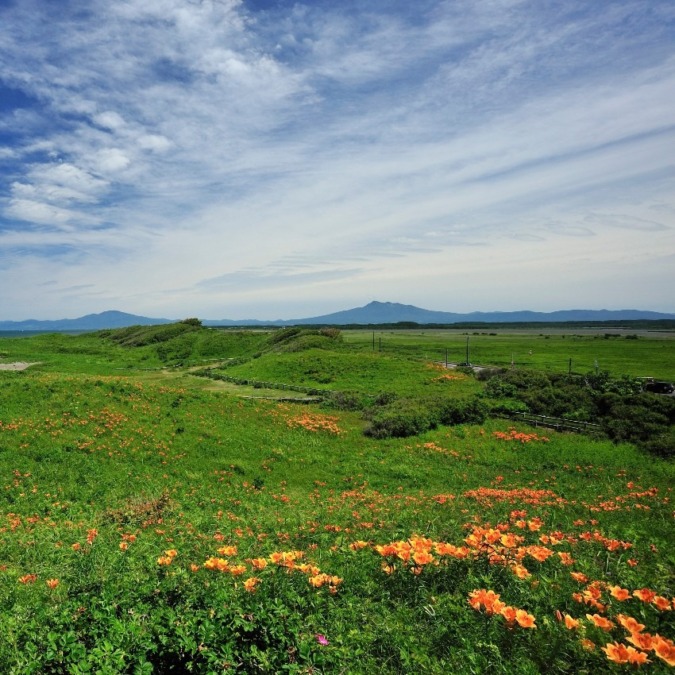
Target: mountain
109,319
372,313
392,312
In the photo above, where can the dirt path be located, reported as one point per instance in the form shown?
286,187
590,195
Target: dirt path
17,365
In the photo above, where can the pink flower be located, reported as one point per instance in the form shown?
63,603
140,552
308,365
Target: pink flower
321,639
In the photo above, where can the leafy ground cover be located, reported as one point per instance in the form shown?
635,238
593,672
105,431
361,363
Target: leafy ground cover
149,525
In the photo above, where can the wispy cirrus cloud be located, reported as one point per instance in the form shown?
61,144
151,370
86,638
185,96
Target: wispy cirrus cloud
247,152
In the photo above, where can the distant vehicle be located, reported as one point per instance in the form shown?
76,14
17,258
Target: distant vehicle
656,387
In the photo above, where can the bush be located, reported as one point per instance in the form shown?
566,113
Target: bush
345,400
400,419
451,411
485,374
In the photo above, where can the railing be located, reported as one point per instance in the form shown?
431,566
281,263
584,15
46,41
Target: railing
557,423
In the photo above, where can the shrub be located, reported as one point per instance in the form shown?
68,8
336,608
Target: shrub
452,411
400,419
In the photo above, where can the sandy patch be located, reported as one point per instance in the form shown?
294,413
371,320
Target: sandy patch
17,365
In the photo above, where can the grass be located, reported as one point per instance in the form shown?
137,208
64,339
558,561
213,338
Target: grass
149,524
638,354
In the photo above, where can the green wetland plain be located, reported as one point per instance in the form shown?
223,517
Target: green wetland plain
177,499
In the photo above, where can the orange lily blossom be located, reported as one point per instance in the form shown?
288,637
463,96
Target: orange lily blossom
664,649
621,594
600,621
630,624
644,594
619,653
524,619
571,623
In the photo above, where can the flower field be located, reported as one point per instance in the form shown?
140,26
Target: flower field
151,526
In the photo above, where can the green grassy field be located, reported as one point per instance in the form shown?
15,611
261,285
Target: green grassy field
640,354
150,523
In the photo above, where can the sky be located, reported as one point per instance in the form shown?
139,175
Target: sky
235,159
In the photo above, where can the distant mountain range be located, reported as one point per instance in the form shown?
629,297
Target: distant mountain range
373,313
110,319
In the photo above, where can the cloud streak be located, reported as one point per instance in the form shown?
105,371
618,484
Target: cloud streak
223,157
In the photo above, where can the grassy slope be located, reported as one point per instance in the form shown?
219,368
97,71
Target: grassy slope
187,470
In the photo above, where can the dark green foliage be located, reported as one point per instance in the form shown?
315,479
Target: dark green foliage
402,418
452,411
139,336
623,411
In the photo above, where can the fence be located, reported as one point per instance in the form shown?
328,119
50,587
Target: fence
556,423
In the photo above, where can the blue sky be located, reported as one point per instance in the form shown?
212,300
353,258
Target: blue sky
273,159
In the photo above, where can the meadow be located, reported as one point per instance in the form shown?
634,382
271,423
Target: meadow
154,521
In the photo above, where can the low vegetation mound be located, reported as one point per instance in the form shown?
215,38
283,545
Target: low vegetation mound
619,406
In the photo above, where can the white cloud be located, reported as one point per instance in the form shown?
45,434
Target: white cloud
325,153
39,212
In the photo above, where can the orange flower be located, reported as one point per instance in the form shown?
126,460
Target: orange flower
423,558
661,603
219,564
588,645
358,545
600,621
509,613
488,599
227,550
237,570
123,546
259,563
52,583
619,593
534,524
616,652
520,571
565,558
645,594
539,553
643,641
251,584
570,623
510,540
524,619
28,579
76,546
664,649
630,624
579,576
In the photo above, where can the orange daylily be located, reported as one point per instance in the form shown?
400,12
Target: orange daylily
619,653
621,594
524,619
600,621
630,624
664,649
